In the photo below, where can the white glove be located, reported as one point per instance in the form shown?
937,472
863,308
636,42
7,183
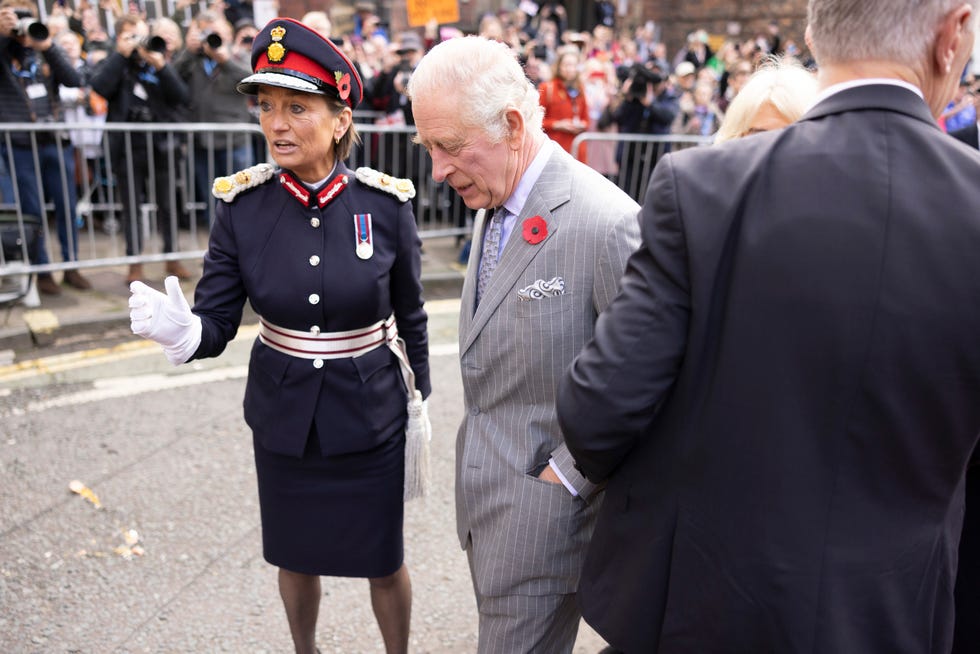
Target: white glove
166,319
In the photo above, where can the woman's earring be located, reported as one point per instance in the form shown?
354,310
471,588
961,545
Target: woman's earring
336,141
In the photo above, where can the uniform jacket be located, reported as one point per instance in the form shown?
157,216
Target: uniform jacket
784,397
297,267
528,535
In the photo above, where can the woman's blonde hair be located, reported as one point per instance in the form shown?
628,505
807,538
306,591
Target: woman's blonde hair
782,83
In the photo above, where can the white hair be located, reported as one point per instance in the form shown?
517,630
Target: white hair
488,78
901,31
782,83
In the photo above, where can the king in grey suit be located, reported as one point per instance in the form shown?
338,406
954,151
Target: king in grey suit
524,513
784,397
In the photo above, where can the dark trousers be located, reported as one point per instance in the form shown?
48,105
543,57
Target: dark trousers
144,183
57,173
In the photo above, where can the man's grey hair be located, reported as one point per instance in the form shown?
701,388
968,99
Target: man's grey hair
488,80
901,31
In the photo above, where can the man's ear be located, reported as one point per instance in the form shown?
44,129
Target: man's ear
515,128
952,30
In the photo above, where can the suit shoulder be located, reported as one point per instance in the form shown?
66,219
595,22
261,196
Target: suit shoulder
403,189
227,188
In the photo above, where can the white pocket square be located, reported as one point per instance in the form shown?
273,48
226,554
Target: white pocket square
542,289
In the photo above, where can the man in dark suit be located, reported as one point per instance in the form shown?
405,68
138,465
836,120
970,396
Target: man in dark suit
783,398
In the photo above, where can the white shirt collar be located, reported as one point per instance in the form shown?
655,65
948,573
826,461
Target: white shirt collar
515,203
843,86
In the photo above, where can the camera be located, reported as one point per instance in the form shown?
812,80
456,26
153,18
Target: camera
154,44
641,79
139,114
404,66
213,40
27,25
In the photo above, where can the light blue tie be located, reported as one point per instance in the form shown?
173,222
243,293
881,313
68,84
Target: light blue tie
491,252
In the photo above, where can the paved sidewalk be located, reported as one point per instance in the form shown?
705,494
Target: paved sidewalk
26,332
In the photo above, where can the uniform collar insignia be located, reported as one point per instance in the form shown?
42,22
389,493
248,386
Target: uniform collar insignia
332,190
295,188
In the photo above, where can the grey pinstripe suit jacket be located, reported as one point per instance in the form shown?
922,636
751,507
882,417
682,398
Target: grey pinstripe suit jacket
529,536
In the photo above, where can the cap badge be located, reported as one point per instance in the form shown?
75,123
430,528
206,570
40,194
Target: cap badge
343,84
276,51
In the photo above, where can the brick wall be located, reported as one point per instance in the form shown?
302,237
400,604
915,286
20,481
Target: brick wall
678,18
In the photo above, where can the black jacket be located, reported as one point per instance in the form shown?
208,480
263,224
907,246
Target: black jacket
164,97
52,69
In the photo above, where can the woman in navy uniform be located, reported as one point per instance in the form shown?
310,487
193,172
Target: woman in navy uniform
330,260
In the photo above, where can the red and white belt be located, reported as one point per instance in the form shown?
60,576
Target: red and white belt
329,345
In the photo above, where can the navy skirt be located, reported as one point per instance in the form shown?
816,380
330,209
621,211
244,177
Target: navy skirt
338,515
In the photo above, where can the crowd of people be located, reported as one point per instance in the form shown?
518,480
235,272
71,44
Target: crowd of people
183,69
739,417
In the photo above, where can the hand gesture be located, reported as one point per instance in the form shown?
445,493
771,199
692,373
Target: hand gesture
166,319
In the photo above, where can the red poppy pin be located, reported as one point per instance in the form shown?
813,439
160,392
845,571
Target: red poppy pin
343,84
535,230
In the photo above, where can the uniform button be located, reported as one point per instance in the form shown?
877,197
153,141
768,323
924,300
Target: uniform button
317,363
315,330
314,260
314,298
475,411
314,222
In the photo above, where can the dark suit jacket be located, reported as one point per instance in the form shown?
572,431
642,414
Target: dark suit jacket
968,135
784,396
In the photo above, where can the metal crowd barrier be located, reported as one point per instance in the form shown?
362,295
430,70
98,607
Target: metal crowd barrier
628,159
171,181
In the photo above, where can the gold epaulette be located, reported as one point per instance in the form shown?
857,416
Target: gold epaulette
226,188
403,189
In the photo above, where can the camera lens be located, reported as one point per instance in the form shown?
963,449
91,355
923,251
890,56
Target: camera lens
213,40
154,44
32,28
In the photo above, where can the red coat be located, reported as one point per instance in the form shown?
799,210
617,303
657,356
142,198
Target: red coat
558,105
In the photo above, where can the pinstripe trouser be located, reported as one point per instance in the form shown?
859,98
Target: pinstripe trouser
515,624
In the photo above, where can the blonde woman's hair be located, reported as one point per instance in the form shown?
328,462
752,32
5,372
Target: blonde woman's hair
782,83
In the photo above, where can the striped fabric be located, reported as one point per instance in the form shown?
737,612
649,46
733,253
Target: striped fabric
527,537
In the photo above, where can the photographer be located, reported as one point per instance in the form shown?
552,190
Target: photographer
388,92
211,73
645,105
141,87
33,68
387,95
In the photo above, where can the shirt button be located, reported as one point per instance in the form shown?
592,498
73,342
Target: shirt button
314,298
315,330
475,411
314,222
314,260
317,363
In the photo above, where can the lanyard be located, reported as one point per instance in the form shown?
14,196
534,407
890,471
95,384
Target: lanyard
28,74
